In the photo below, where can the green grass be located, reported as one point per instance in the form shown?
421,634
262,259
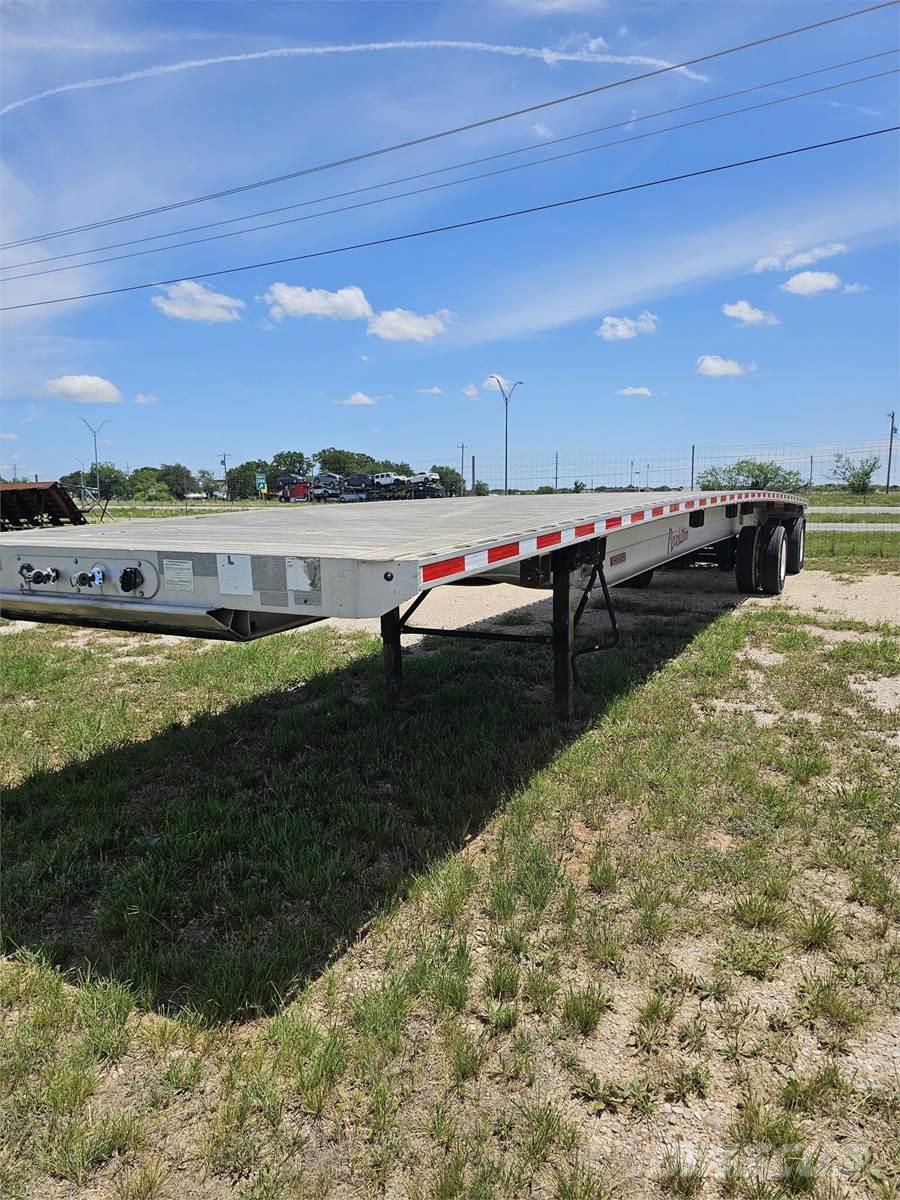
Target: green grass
855,518
822,497
824,548
268,937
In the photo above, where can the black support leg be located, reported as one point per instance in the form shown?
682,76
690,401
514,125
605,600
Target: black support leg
563,634
393,661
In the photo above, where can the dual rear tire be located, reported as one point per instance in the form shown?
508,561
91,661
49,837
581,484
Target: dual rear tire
762,558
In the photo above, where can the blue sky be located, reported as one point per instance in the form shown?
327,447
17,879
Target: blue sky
759,305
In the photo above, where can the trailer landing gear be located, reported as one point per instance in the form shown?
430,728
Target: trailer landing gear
566,616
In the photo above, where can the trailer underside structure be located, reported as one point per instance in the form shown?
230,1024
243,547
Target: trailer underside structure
240,576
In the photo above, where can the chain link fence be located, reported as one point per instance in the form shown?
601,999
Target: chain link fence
660,469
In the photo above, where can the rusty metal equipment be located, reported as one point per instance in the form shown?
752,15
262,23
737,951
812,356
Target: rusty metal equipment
37,506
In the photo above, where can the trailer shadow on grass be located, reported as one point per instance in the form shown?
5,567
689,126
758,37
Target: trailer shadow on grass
221,864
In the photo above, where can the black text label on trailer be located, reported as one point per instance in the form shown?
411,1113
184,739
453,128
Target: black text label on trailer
677,537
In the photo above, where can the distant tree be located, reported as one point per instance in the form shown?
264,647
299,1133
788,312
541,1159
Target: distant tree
579,486
114,484
293,462
481,488
387,464
178,478
750,473
155,492
142,478
344,462
856,475
544,490
242,479
207,483
451,480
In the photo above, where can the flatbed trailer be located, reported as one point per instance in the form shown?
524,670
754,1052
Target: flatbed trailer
241,575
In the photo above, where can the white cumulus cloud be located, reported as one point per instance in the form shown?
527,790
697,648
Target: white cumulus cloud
744,313
541,130
617,329
853,289
358,400
346,304
715,366
634,391
787,259
430,391
809,283
9,437
807,257
470,390
401,325
146,398
85,389
191,301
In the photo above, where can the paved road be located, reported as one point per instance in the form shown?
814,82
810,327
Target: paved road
851,527
858,508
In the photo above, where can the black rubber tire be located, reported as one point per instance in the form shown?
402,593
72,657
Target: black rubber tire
746,572
796,546
726,554
773,562
639,581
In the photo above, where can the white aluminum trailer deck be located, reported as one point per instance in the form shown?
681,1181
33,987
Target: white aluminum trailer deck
242,575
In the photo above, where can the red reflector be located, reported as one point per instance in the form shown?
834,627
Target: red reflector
613,522
438,570
637,517
658,512
548,539
702,502
688,504
584,530
496,553
673,508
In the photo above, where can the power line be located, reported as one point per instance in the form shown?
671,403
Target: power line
418,233
480,124
439,171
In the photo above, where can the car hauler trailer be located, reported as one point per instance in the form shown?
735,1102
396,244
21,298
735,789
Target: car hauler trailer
240,576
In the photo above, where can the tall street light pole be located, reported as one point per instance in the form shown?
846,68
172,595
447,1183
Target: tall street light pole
96,459
507,396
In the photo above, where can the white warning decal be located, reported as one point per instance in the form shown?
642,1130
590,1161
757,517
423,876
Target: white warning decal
178,574
235,574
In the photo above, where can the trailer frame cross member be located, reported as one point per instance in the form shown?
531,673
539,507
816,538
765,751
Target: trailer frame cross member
565,619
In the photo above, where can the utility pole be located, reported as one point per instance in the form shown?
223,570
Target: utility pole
462,469
473,473
810,472
224,461
96,459
631,477
556,473
693,449
893,433
507,396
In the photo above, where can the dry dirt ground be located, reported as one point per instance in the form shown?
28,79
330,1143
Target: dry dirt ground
871,598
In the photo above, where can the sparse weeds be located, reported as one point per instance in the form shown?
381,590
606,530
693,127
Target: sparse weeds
582,1008
680,1175
480,966
816,927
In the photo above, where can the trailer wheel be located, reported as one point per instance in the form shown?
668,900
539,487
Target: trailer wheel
773,562
726,554
796,546
746,572
639,581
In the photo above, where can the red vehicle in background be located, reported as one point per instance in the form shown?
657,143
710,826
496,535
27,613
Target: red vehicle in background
292,489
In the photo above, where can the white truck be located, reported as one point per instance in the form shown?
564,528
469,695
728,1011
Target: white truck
243,575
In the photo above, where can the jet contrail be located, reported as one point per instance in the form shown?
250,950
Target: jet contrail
543,54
